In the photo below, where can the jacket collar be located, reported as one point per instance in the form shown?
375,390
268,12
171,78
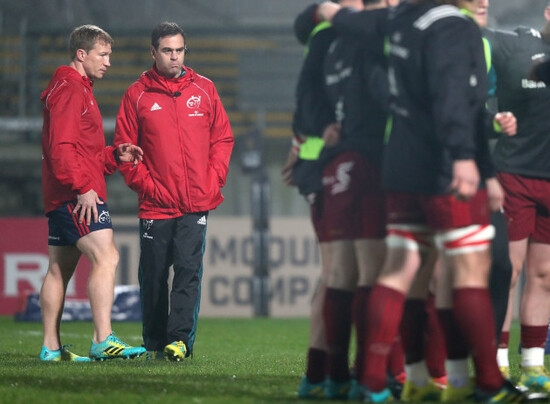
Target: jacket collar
153,79
67,73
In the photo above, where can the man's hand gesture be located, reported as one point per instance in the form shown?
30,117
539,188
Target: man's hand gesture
129,153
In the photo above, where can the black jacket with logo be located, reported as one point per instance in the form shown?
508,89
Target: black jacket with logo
357,87
513,54
313,112
438,89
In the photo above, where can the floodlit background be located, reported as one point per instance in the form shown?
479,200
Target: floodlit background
246,47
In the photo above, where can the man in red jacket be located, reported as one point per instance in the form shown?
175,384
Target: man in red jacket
74,163
176,117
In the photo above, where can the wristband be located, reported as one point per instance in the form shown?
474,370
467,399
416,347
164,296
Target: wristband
295,146
117,157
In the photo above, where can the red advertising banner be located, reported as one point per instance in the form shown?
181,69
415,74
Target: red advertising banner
24,263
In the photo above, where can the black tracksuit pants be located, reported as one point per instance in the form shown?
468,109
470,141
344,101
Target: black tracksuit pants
164,242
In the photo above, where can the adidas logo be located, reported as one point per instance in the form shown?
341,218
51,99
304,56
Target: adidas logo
202,221
155,107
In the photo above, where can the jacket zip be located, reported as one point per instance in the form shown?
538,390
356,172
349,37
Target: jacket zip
180,133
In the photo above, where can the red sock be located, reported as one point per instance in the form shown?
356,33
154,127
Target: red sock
384,312
412,329
474,316
435,350
337,316
504,339
359,309
533,336
396,360
316,363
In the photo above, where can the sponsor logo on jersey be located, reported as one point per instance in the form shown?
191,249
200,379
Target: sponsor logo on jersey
529,84
534,32
341,180
155,107
332,79
194,102
399,51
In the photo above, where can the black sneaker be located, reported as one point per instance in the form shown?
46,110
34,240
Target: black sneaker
395,385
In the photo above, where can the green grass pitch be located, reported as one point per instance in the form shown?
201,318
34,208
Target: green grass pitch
235,361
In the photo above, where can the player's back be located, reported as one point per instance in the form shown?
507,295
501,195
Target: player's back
438,87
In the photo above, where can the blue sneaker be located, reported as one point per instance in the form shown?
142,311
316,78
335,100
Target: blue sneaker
508,394
337,390
384,396
112,348
62,354
311,390
535,379
356,391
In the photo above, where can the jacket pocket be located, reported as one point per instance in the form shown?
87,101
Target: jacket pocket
149,191
163,196
214,190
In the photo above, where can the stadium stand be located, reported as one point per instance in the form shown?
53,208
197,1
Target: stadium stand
251,72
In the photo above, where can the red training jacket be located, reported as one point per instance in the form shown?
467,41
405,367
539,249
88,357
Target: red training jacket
186,138
74,157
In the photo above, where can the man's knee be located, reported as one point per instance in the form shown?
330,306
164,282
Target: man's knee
345,280
99,247
107,257
114,257
545,281
342,270
541,276
405,245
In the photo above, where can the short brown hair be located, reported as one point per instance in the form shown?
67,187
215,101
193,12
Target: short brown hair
165,29
85,37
